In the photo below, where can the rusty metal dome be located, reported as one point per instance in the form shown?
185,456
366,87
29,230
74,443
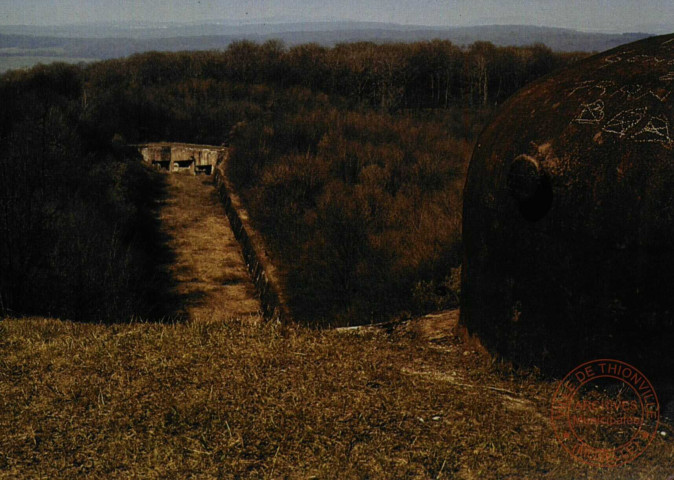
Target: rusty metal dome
569,215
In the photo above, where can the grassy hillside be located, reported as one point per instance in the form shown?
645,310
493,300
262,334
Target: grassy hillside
233,399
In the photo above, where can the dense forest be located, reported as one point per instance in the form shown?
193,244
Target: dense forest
351,160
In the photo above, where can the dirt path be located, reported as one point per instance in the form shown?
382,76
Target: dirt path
211,275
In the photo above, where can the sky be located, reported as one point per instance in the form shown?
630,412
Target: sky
603,15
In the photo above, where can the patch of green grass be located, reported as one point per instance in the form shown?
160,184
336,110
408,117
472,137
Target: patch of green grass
244,399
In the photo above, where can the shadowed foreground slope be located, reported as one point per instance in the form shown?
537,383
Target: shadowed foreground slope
215,399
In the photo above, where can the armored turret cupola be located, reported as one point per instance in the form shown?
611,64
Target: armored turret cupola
569,216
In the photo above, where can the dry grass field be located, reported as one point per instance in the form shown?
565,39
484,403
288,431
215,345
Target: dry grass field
229,398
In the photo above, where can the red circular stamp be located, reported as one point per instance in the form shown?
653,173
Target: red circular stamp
605,413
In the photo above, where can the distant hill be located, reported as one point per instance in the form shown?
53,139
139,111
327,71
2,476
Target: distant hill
111,41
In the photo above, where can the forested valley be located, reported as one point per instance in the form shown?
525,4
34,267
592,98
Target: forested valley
351,161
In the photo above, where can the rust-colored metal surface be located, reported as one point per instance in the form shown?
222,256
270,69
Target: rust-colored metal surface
569,216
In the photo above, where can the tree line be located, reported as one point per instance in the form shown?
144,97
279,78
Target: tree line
200,95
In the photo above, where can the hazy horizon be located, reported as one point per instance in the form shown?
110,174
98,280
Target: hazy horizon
654,16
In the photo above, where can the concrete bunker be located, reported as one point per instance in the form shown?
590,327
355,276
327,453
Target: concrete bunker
569,217
182,157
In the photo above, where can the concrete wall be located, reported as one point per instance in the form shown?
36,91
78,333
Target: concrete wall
264,274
